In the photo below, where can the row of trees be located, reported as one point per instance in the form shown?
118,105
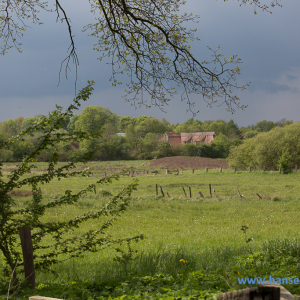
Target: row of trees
140,140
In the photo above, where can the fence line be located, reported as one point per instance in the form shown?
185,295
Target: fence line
210,189
182,171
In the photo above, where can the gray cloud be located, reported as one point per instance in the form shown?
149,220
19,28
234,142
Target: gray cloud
271,87
268,45
291,77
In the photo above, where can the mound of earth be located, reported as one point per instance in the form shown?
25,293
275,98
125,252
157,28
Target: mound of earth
186,162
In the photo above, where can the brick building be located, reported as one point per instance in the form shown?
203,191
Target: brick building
196,138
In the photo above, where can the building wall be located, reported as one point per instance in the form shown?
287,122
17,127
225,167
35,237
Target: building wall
176,139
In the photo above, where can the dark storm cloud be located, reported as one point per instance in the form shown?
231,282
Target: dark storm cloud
271,87
291,77
267,44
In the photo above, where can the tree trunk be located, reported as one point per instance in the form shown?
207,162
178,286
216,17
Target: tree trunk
27,249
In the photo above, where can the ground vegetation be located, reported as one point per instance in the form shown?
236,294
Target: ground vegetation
204,251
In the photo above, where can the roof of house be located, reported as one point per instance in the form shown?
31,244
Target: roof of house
187,137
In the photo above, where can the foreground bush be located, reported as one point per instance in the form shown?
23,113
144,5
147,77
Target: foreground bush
51,241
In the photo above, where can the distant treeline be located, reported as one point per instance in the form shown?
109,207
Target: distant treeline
140,140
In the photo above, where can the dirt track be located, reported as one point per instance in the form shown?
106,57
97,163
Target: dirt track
186,162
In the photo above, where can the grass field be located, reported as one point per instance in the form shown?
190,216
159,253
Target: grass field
205,232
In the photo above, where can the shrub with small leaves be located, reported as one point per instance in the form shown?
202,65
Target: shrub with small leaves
64,235
284,163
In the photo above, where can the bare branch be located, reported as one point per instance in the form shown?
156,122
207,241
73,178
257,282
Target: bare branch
72,50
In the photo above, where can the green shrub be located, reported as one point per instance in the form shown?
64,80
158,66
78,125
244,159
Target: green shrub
265,149
284,163
6,155
105,193
164,149
189,150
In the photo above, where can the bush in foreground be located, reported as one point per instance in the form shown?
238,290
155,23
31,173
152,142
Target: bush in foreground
52,240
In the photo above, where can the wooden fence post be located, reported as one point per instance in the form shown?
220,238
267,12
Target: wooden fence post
161,190
209,190
249,169
27,249
193,171
181,171
220,169
206,170
264,168
201,195
184,191
156,190
239,192
215,192
234,169
190,192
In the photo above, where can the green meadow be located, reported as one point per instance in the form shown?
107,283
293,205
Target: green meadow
183,235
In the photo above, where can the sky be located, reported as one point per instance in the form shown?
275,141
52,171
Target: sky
268,45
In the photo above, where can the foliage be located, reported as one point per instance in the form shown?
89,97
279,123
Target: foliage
53,240
190,125
125,257
125,121
164,149
284,162
150,125
189,150
199,285
251,133
146,147
7,155
218,148
94,118
265,126
140,140
266,149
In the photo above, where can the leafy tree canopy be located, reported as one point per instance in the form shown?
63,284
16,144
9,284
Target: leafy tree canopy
93,118
125,121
